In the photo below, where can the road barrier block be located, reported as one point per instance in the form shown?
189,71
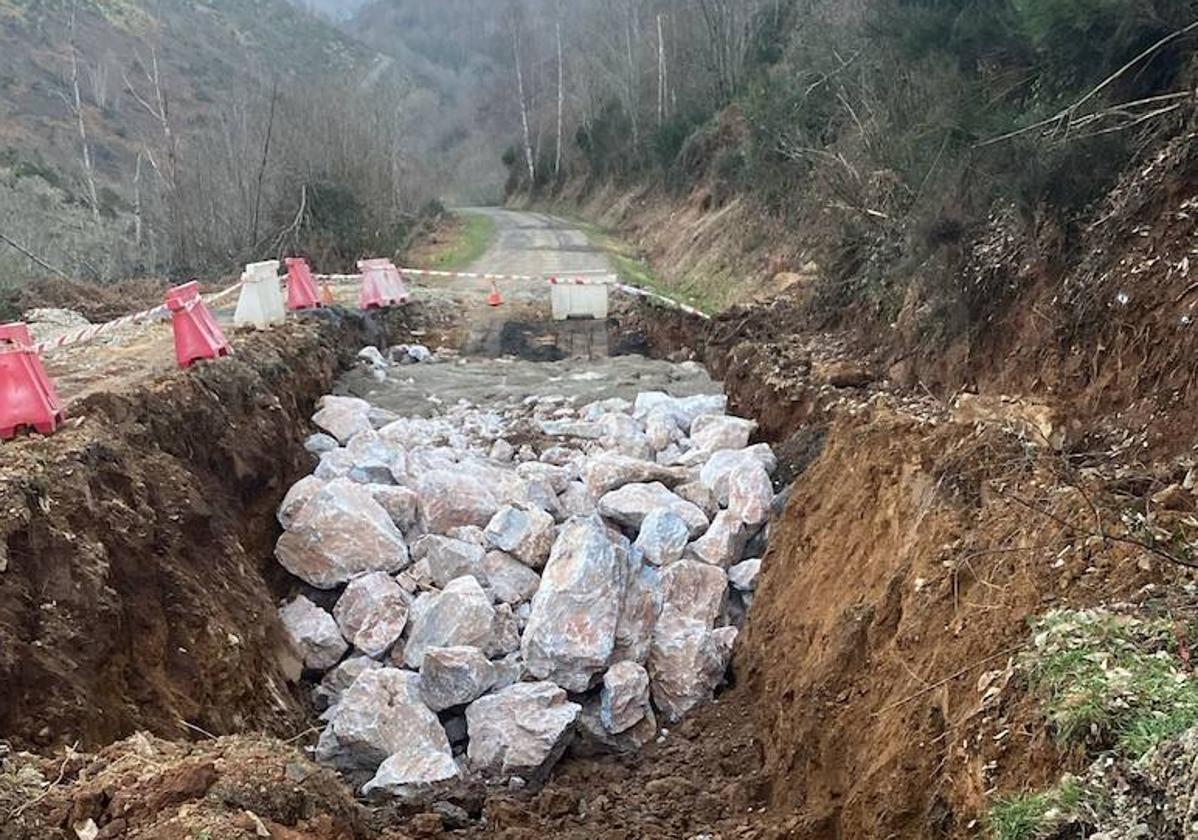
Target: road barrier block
380,284
27,396
197,335
301,290
261,301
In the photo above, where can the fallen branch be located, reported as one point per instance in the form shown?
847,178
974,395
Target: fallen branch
17,246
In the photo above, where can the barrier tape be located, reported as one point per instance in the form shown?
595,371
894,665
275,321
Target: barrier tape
645,293
89,333
336,279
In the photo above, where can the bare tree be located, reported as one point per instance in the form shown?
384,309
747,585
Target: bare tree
561,98
516,21
75,103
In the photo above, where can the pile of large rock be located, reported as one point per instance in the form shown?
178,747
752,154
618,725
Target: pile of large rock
489,586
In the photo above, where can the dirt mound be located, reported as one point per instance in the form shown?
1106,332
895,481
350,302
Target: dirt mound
136,544
96,302
144,787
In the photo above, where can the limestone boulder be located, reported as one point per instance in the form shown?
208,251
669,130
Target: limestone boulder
525,533
375,460
663,537
699,495
505,633
340,533
684,410
343,417
380,713
743,576
296,498
592,738
639,609
576,500
335,682
447,558
510,581
687,662
571,630
451,499
459,615
612,470
313,633
521,730
716,473
750,495
320,443
624,698
400,503
714,432
695,589
724,541
629,506
454,676
372,613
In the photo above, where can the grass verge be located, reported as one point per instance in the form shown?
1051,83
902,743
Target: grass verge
460,243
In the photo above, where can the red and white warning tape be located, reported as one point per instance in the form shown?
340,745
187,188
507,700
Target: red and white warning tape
608,280
89,333
467,275
645,293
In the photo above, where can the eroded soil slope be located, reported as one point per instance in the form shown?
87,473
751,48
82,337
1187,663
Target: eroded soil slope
133,590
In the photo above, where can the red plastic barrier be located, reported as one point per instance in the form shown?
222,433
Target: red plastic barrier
301,291
27,397
379,288
197,335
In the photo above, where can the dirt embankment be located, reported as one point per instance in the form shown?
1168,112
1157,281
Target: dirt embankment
136,543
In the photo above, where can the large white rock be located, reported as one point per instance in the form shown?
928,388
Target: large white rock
687,662
662,430
525,533
400,503
510,580
612,470
695,589
743,576
642,603
414,772
296,498
683,409
375,460
320,443
699,495
724,541
576,500
335,682
505,633
663,537
521,730
314,634
340,533
372,612
633,502
592,738
720,467
556,477
750,494
450,499
571,631
714,432
448,559
336,463
454,676
461,614
624,699
377,715
343,417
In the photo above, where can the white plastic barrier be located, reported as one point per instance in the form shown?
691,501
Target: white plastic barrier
261,301
579,301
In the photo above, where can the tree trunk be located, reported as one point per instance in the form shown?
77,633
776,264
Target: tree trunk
528,155
561,102
89,173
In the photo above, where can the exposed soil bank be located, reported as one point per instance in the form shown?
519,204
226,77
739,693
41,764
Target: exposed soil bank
136,545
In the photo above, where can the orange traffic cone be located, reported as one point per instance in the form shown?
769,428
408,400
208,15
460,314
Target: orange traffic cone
494,299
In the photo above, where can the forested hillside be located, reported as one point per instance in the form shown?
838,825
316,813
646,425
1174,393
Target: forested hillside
171,137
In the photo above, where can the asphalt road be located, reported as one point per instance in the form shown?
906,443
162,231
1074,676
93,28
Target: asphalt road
533,243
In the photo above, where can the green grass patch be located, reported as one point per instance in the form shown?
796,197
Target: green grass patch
634,271
1111,681
467,242
1035,815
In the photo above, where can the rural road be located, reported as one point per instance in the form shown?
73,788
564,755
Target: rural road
533,243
